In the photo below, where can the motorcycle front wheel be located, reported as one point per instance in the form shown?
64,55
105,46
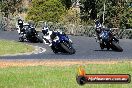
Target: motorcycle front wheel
116,47
39,39
67,46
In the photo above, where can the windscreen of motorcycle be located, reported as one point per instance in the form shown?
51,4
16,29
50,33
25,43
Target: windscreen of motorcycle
64,38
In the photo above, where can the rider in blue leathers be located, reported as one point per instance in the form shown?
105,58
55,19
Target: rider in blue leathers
98,29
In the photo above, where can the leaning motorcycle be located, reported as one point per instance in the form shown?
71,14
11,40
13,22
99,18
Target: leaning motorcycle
108,40
61,43
29,34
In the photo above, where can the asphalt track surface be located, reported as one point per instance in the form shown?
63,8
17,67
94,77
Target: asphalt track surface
86,48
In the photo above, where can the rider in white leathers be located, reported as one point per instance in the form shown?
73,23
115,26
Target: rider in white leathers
50,36
47,34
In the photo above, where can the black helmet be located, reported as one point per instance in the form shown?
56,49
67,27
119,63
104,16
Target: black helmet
20,21
45,30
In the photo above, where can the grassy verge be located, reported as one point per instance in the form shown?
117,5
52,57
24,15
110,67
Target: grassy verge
12,47
59,77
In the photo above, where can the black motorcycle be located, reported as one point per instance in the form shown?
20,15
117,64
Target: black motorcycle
29,33
108,40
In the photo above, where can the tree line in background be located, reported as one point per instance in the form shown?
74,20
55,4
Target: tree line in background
118,13
7,9
10,6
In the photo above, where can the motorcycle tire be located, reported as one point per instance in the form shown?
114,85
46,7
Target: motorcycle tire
21,39
108,48
66,45
116,47
101,46
39,39
54,50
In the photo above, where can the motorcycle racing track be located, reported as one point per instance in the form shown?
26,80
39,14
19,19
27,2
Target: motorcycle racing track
86,48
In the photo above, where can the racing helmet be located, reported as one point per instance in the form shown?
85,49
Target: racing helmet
20,21
98,26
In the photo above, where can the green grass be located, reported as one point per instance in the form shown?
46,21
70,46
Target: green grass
59,77
12,47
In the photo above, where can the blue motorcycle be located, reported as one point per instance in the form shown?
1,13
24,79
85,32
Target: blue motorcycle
108,40
61,43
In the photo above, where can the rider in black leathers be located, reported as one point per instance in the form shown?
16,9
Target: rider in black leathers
98,29
20,24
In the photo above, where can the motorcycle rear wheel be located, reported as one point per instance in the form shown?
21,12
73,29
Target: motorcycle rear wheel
101,46
21,39
68,47
116,47
54,49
